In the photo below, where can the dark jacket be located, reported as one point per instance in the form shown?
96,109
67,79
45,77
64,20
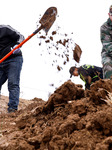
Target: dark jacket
94,72
8,38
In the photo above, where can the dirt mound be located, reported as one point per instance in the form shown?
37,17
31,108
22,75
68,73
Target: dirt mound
71,119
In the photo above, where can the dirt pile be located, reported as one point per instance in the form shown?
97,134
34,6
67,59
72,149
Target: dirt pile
71,119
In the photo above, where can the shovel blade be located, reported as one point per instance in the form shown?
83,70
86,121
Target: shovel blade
48,18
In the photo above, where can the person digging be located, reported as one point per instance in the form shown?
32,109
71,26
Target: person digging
11,58
88,73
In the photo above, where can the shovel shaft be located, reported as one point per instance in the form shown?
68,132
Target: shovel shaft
46,22
29,37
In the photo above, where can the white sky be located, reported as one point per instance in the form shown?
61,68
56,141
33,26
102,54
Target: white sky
82,17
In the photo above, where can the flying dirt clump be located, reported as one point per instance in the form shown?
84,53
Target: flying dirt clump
60,47
77,53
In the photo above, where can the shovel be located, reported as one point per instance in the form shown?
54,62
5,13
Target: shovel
46,22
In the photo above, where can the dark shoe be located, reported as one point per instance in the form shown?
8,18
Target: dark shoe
11,110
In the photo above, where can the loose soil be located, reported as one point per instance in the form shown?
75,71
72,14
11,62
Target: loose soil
71,119
60,46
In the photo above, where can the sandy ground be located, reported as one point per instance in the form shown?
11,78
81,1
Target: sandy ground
4,102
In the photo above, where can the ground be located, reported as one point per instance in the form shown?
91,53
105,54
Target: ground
71,119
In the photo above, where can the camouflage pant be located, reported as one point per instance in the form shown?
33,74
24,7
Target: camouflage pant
107,65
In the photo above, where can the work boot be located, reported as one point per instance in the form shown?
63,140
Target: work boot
10,110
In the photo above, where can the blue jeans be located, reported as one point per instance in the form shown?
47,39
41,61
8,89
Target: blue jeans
10,70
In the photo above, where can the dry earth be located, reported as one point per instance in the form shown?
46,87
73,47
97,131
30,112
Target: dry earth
71,119
4,101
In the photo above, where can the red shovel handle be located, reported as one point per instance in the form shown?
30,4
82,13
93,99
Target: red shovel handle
29,37
46,22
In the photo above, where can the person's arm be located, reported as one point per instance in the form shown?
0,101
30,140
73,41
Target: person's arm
87,82
106,38
87,86
6,30
84,75
98,72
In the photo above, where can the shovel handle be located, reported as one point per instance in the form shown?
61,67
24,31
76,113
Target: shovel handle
29,37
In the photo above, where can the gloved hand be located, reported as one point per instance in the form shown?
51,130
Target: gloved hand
17,50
